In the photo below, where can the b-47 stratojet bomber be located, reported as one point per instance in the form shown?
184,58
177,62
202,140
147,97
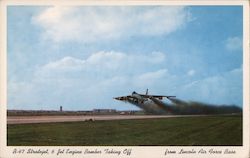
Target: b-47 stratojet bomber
153,104
149,103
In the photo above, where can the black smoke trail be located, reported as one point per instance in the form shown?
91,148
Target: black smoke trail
193,107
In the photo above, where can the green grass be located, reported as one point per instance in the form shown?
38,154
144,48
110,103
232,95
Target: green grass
206,130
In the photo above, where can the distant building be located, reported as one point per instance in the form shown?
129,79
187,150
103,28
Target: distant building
61,109
128,112
104,111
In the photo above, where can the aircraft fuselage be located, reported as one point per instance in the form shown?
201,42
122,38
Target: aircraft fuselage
149,103
138,98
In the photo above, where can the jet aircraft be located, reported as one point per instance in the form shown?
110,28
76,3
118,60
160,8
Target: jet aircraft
149,103
153,104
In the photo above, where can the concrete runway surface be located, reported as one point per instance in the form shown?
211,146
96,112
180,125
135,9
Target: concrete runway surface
48,119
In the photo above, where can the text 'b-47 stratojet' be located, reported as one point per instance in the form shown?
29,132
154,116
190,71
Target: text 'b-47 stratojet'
149,103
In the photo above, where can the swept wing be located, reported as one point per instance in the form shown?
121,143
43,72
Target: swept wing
156,96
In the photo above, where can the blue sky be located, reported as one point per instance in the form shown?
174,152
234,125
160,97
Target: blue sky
82,57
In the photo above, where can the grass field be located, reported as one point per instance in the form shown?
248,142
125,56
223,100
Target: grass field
205,130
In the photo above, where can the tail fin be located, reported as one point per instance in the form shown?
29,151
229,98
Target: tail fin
147,92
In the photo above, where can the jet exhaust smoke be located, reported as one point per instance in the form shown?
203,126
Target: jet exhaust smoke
180,107
193,107
154,105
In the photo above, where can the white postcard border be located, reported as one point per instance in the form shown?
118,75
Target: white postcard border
136,151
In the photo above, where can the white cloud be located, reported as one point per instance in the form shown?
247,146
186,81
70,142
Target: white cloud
149,78
191,72
76,82
66,63
233,43
85,83
102,64
225,88
91,24
153,75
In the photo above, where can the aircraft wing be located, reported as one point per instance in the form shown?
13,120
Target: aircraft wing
157,96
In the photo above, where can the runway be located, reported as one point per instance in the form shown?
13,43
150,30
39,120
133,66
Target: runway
50,119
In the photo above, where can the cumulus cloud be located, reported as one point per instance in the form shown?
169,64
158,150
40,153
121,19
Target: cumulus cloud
66,63
100,75
191,72
91,24
102,64
78,82
150,78
223,88
233,43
